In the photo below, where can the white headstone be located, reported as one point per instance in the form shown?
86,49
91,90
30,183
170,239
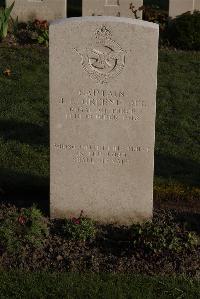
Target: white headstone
119,8
196,4
178,7
103,77
28,10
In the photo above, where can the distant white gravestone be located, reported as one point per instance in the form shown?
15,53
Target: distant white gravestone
119,8
103,77
178,7
28,10
196,4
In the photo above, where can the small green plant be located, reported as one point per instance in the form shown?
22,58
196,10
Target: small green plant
32,32
4,20
22,228
42,30
81,228
163,234
15,26
43,38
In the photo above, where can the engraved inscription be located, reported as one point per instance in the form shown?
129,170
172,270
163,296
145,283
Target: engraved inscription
104,154
105,59
104,105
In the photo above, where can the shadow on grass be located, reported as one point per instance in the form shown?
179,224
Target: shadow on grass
180,170
23,190
29,133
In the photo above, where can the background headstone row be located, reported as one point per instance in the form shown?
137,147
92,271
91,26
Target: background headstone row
50,10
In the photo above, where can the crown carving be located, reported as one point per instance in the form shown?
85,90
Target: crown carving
103,33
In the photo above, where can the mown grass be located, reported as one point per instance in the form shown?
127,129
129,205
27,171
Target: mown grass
177,151
24,121
45,285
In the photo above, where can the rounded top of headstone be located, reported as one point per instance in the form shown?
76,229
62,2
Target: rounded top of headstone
109,19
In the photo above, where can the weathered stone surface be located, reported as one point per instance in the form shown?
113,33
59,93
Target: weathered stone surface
28,10
196,4
103,73
178,7
119,8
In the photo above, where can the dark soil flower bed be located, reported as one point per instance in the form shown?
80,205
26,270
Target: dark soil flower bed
12,42
112,250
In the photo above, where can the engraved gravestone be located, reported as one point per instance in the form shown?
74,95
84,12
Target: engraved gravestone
119,8
178,7
28,10
103,73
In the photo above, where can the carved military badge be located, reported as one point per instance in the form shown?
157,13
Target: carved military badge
105,59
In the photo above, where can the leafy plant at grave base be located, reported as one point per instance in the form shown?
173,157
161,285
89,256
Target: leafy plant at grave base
81,228
15,26
184,31
4,20
42,29
32,32
23,227
26,36
163,234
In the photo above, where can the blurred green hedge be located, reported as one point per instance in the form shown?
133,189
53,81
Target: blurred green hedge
184,31
162,4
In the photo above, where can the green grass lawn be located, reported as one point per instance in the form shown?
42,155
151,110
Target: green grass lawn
177,156
24,165
102,286
24,121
